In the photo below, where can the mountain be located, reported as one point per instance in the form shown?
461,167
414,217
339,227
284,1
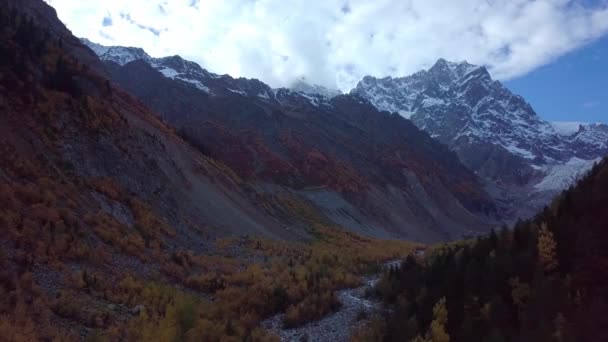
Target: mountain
567,127
101,203
65,121
495,133
205,204
589,140
116,225
303,86
177,68
371,172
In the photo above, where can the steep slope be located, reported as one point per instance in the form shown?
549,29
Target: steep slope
109,221
542,281
112,227
371,172
100,131
496,134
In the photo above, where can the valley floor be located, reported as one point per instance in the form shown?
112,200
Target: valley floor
356,307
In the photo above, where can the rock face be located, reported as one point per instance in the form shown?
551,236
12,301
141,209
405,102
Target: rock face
369,171
495,133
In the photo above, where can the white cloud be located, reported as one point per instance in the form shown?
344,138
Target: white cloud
336,43
591,104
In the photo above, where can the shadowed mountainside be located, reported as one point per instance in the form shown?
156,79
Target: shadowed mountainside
369,171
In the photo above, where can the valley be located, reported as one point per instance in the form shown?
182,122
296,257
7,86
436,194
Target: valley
355,310
149,199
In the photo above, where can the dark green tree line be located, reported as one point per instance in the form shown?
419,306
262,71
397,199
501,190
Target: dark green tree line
543,280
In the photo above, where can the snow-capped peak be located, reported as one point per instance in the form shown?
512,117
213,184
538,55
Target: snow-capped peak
305,87
456,101
487,125
97,48
456,70
191,74
173,67
118,54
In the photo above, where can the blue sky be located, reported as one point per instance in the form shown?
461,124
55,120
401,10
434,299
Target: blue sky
572,88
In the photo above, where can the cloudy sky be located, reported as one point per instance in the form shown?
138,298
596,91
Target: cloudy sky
336,43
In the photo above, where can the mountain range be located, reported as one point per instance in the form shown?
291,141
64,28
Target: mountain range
496,134
149,199
369,171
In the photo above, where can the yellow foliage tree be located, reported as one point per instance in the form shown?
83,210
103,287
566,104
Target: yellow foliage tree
437,331
546,248
520,292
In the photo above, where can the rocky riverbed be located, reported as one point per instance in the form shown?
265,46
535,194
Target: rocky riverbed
338,326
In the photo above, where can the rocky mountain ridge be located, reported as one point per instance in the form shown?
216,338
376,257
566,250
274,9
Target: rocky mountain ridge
460,93
346,156
482,109
181,70
305,87
496,133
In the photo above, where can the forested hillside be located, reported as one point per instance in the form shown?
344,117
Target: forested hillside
113,228
545,280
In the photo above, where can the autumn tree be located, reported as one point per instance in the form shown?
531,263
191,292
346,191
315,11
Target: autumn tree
437,331
520,292
546,248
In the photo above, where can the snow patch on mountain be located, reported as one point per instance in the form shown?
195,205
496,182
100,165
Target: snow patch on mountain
237,91
561,176
117,54
264,96
406,114
591,136
168,72
176,75
197,84
304,87
97,48
520,151
313,101
567,128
